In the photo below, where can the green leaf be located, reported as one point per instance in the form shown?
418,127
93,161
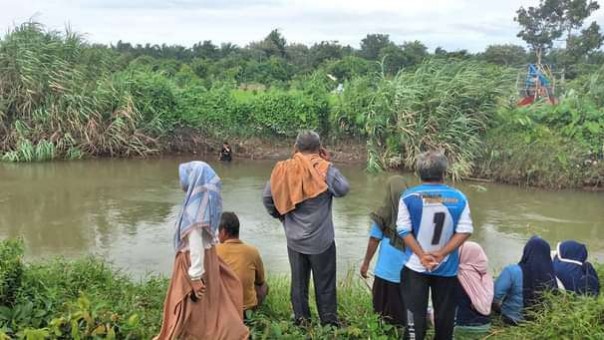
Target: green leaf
133,321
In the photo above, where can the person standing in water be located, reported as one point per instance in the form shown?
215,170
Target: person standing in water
205,298
300,194
434,221
226,153
386,291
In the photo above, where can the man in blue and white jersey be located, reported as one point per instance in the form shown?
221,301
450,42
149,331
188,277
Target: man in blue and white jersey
434,220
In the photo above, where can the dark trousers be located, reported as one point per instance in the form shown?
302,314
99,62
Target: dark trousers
387,301
415,288
323,267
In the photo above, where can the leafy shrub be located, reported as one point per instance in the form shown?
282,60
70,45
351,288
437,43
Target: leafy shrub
351,107
11,270
557,146
539,158
285,113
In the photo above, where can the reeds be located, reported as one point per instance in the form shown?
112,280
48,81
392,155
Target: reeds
59,99
440,105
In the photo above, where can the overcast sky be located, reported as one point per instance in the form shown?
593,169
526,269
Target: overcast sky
452,24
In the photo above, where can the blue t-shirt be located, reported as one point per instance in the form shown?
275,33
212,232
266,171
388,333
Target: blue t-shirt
508,292
390,260
433,213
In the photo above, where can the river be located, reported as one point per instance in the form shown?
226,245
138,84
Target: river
124,212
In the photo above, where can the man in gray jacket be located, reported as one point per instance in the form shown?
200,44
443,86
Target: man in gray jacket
300,194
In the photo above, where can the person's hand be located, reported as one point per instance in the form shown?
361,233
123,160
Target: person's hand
199,288
364,269
324,154
428,261
438,256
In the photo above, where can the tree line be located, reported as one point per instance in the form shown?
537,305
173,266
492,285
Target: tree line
555,33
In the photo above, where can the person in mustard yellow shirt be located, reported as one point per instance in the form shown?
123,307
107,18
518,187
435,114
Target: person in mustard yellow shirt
243,259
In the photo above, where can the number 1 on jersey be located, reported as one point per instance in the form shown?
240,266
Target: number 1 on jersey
439,221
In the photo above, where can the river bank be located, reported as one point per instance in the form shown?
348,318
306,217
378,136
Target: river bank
347,151
355,151
87,298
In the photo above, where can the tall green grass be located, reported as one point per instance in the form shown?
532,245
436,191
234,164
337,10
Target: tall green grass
439,105
58,96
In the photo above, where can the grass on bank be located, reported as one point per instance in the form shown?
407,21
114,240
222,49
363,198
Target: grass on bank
87,299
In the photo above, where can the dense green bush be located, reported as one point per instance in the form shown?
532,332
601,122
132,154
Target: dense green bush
284,114
351,107
11,271
554,146
538,157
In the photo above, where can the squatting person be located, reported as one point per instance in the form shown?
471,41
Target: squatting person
244,259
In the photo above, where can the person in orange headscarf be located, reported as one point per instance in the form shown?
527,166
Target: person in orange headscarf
205,298
300,194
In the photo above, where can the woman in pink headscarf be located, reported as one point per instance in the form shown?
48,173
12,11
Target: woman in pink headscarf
475,295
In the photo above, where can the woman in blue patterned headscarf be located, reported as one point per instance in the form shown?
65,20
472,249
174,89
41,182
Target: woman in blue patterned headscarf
205,298
202,205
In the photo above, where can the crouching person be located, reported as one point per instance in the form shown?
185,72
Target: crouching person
244,260
475,296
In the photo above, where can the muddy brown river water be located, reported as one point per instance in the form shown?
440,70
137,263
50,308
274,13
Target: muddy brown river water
124,212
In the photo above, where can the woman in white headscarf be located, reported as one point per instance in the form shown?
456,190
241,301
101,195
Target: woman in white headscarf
205,298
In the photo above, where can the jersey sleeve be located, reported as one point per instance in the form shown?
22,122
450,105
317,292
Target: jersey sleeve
403,220
465,226
376,232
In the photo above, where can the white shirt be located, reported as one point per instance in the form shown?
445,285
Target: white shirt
197,243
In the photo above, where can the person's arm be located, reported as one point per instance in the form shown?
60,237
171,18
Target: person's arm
463,231
267,200
405,230
375,236
196,253
372,246
260,278
196,269
336,182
